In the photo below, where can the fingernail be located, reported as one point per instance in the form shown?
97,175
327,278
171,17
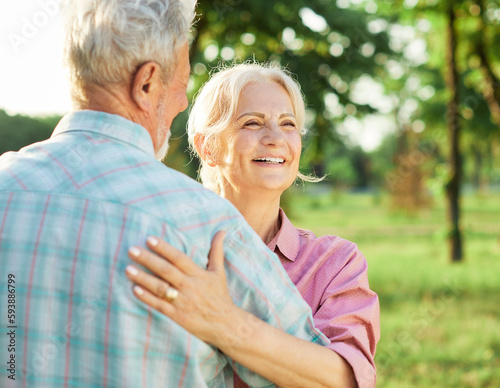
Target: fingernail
138,290
134,251
153,241
131,270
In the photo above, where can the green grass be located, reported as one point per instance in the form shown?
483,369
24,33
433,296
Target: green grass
440,322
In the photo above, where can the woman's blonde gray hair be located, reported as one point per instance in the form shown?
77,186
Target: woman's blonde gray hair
107,40
215,108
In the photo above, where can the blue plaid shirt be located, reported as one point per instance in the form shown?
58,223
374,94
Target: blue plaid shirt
70,207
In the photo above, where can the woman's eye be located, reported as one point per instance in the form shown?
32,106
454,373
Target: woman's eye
290,124
251,123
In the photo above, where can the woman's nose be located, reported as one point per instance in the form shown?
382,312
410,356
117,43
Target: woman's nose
273,135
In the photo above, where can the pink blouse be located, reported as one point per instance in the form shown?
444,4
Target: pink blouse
331,275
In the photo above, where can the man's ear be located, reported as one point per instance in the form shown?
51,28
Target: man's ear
147,86
204,149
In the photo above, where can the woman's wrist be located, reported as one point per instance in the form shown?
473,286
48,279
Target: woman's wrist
232,329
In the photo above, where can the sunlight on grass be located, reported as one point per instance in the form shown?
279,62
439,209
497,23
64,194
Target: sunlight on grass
440,322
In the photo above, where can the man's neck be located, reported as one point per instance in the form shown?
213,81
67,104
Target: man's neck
116,100
104,99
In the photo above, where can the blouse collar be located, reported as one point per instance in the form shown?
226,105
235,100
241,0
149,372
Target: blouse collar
287,239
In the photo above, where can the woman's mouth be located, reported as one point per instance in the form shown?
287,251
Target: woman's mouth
270,160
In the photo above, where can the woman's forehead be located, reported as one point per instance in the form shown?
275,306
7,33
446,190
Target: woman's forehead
260,97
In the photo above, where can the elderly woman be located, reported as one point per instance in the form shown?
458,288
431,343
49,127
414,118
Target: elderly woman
246,127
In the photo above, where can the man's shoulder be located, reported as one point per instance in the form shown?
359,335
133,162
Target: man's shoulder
23,165
108,171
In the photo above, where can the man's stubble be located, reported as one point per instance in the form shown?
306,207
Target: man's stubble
163,132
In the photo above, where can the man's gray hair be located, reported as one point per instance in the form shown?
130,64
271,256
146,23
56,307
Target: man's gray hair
107,40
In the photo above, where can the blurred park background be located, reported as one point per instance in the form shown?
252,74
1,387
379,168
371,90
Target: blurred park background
404,120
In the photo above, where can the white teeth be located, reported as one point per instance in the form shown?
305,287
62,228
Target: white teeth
270,160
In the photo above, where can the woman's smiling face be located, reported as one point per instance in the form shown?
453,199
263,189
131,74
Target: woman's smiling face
262,150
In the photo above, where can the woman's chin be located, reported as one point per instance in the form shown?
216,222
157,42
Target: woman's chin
259,185
273,186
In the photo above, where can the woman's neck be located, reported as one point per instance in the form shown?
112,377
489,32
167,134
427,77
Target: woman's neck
260,211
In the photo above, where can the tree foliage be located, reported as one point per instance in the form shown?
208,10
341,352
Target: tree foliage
19,131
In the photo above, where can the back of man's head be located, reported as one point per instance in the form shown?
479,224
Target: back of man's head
107,40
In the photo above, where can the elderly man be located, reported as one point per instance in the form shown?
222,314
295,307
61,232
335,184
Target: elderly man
71,206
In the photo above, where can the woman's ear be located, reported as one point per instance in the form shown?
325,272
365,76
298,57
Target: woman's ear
203,149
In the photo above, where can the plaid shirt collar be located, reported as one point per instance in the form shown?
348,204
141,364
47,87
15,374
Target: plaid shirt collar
107,125
287,240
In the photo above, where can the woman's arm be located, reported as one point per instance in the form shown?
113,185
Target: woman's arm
205,309
285,360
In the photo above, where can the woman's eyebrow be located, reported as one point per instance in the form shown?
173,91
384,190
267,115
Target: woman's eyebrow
261,115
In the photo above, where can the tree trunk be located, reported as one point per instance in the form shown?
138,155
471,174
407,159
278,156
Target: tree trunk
491,87
453,185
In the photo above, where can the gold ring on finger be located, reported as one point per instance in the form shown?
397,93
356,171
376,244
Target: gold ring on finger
171,294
